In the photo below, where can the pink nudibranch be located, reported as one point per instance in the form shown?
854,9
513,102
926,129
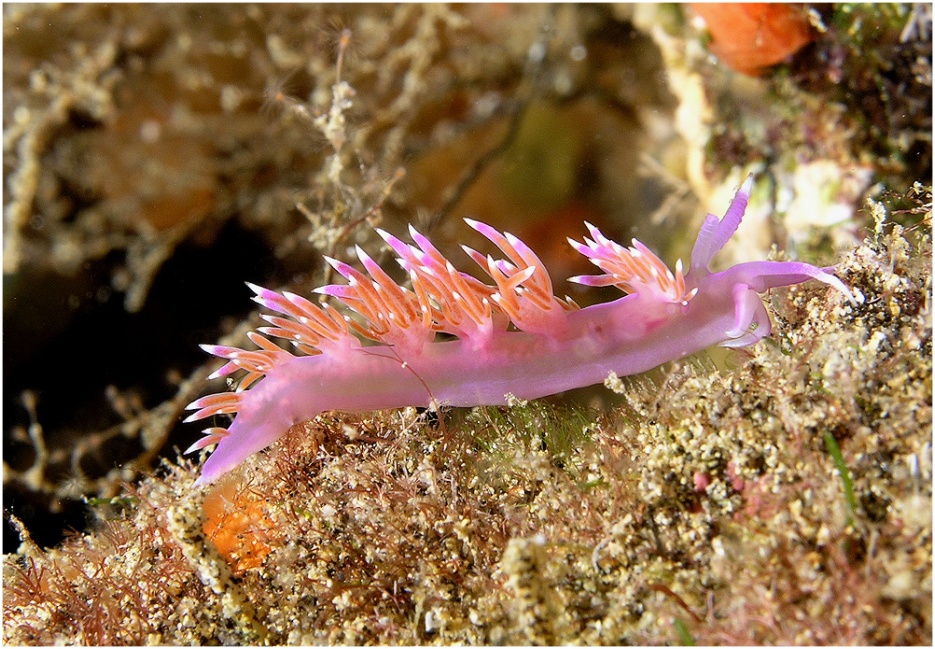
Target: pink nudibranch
552,345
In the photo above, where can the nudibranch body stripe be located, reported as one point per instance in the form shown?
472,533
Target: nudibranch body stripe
513,337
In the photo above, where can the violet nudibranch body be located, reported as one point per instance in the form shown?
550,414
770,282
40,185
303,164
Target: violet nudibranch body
512,337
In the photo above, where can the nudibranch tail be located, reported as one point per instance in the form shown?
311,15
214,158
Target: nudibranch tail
378,349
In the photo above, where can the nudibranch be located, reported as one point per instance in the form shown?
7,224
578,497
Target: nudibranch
513,337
